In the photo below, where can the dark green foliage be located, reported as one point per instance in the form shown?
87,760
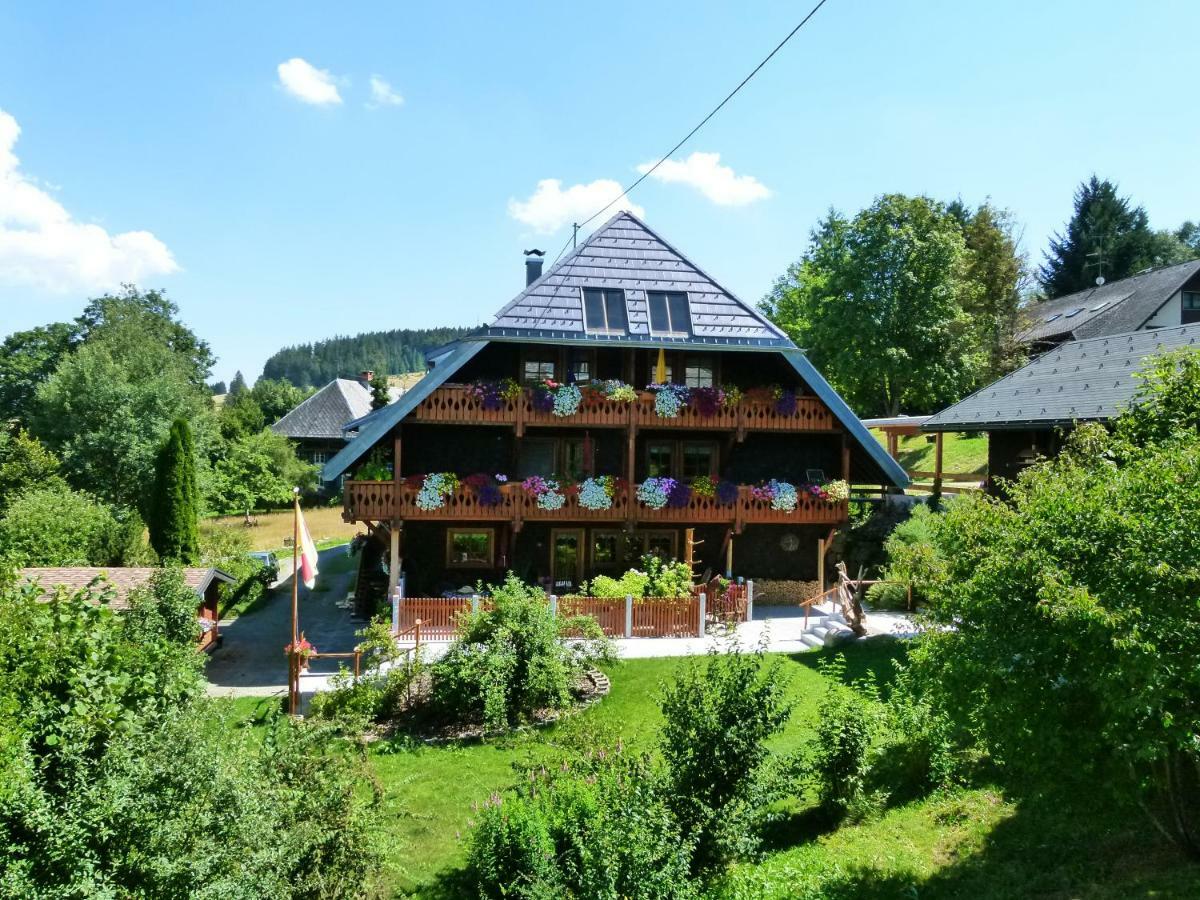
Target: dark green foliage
997,271
117,779
240,415
166,607
847,721
399,351
228,549
276,398
912,560
56,526
878,302
379,392
509,662
1167,401
594,829
1106,223
717,720
217,388
173,522
258,471
28,358
238,385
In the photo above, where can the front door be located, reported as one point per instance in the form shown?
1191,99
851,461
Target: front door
566,559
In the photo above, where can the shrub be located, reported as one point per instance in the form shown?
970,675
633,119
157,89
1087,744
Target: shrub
913,560
56,526
718,717
595,829
165,607
633,583
118,779
229,550
510,661
847,723
656,578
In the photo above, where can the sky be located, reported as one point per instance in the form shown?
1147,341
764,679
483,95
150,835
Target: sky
293,171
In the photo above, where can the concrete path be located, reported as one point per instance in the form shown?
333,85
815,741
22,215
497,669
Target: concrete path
250,660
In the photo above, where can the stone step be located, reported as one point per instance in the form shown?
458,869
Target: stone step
810,640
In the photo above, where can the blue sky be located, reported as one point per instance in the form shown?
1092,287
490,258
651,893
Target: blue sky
165,144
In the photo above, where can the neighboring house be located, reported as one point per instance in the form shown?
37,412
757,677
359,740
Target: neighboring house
610,311
1156,298
206,582
316,425
1028,413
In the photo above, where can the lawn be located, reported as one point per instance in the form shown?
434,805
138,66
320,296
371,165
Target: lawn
961,453
968,842
274,529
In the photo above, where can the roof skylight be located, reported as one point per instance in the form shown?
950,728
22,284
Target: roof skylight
1075,312
1099,306
1053,317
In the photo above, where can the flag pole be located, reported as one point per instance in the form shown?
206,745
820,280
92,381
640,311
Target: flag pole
293,705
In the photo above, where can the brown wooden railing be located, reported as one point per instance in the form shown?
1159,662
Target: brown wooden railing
453,404
366,501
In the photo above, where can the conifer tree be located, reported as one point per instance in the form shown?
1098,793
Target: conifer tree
174,532
379,392
238,384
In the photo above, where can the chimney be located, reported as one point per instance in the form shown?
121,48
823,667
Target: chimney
533,265
366,377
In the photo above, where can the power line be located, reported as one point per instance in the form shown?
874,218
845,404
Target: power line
716,109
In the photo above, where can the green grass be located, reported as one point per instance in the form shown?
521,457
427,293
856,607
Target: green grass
974,843
961,453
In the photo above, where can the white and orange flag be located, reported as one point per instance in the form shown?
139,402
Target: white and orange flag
308,552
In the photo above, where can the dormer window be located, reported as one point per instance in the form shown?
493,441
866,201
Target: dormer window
604,311
1191,307
669,313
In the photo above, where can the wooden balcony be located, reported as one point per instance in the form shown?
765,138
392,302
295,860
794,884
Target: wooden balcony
366,501
454,405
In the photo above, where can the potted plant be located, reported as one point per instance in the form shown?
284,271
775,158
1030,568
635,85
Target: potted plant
303,649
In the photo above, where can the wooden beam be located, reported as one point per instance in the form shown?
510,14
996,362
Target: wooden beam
820,565
937,462
845,459
630,467
393,558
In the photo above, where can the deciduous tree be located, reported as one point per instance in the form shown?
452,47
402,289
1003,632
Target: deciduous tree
173,520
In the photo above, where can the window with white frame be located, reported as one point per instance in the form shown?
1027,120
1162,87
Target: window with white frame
669,313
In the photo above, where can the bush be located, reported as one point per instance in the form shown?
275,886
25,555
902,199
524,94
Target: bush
510,661
633,583
229,550
913,560
56,526
118,779
380,694
166,607
597,829
847,723
717,719
659,579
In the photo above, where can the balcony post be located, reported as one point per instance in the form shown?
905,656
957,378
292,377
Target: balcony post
703,612
628,615
393,556
750,600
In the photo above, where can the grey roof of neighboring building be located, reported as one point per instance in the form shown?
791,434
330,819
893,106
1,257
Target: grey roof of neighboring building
121,579
323,415
624,253
1078,381
1112,308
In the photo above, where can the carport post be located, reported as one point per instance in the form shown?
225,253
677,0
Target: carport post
750,600
629,615
703,612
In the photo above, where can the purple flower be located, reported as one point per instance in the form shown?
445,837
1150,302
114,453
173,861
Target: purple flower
489,495
679,495
707,401
785,403
727,492
543,400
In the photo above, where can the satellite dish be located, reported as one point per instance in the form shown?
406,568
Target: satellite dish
1099,280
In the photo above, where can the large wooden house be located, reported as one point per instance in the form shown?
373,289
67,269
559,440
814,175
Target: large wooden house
543,444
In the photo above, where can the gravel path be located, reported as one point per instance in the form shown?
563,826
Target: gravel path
250,660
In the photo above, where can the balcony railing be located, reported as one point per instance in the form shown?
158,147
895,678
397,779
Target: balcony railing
454,404
366,501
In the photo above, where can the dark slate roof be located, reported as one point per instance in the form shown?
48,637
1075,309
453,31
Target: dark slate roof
624,253
1078,381
1112,308
324,414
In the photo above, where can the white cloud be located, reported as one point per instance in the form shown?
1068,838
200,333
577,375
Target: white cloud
307,83
718,183
550,207
382,94
42,245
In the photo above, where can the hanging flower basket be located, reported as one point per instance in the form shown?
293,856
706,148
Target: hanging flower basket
597,493
831,492
706,401
303,649
548,493
669,399
615,389
435,489
780,494
492,395
654,492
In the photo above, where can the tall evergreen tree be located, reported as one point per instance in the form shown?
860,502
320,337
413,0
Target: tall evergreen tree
1106,235
175,506
996,269
238,384
379,392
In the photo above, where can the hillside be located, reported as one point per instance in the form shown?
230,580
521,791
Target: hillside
390,352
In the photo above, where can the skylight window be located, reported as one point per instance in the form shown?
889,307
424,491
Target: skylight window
669,313
1100,306
1075,312
604,311
1053,317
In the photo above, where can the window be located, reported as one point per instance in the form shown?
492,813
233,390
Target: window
669,313
1191,307
319,457
470,548
1053,317
579,366
660,459
575,464
699,458
538,368
604,311
607,549
537,456
698,371
1074,312
659,543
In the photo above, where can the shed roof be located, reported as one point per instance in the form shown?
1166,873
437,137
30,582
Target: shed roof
1079,381
1111,308
625,253
122,579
